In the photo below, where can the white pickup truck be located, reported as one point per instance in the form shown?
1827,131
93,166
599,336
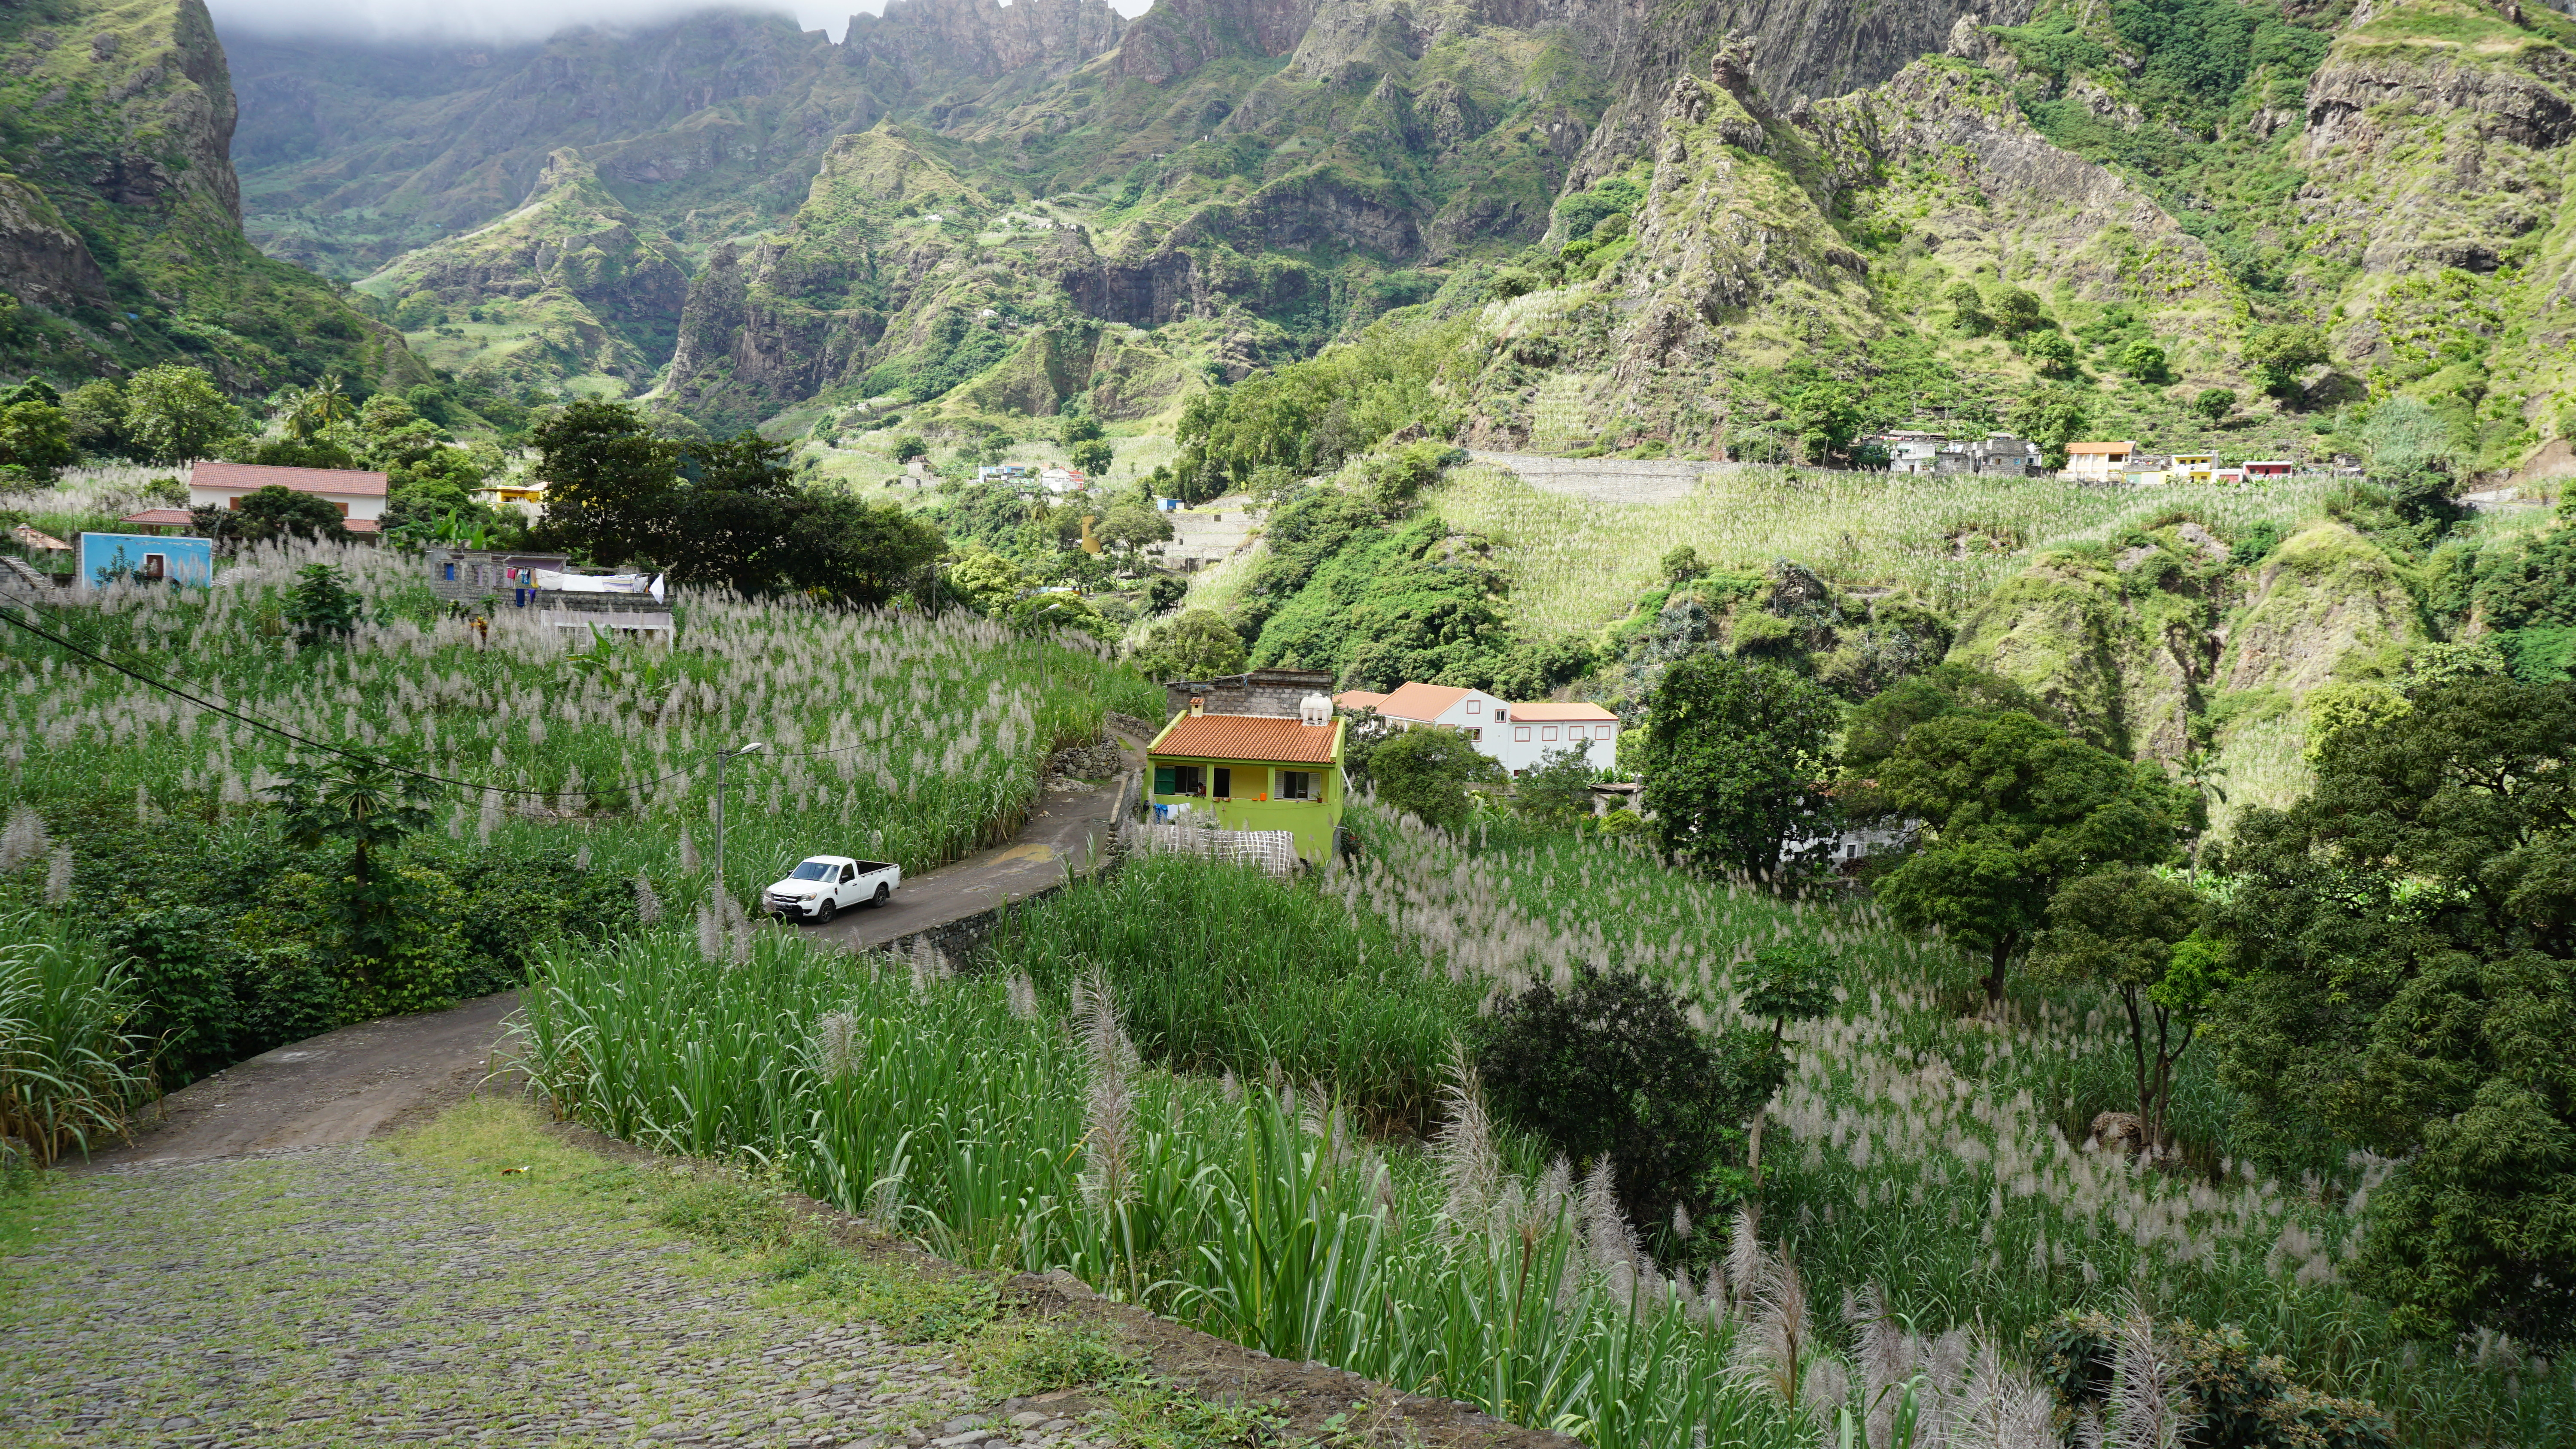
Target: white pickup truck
825,885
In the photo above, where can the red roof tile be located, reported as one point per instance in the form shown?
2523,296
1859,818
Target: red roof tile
1550,713
157,516
1420,702
249,477
1246,737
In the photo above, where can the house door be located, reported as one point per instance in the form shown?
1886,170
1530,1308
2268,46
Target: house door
1224,783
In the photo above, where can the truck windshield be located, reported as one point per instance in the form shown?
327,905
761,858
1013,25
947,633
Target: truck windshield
811,870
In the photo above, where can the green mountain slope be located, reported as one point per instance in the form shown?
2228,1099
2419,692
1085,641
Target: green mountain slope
120,230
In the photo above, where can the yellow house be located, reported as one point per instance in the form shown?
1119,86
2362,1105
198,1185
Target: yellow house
1252,772
2191,468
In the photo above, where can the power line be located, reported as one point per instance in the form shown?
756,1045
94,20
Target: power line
284,733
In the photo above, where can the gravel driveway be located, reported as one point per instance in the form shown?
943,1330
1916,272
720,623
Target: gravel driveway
346,1296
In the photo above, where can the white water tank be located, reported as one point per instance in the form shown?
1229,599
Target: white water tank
1315,709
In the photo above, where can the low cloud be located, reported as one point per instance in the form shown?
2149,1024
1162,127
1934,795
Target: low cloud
513,20
493,20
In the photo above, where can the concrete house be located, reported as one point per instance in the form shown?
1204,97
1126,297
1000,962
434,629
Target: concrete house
1257,751
2098,462
1910,450
1538,730
359,496
1516,735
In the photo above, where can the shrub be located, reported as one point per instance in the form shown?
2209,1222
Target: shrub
1426,772
2235,1398
1611,1067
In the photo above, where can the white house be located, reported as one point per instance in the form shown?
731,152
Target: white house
359,496
2098,462
1514,734
1536,730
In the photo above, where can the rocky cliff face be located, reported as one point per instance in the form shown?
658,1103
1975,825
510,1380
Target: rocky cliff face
983,38
122,224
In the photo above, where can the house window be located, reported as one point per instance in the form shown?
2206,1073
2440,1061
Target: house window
1520,733
1178,780
1224,783
156,566
1601,732
343,507
1475,706
451,573
1548,733
1296,784
1476,735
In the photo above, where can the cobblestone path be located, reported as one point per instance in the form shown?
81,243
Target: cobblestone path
346,1296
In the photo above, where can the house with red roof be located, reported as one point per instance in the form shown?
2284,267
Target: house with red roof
1517,735
1272,767
360,496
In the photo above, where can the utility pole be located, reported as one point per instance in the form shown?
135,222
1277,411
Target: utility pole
750,749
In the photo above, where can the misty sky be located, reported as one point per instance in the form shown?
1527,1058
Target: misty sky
508,19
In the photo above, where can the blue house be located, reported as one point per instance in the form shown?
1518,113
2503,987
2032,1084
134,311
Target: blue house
145,558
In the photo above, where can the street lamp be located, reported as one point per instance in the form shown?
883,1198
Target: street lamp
753,748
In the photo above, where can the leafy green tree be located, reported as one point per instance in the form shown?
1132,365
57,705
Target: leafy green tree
1135,525
317,408
2144,360
1828,416
2131,932
36,440
2052,417
173,414
2017,311
1880,725
1078,428
2214,403
2408,938
1786,981
1611,1067
293,452
908,446
987,581
271,513
1968,309
2009,809
97,414
1426,771
395,946
1558,789
1093,456
320,603
1197,644
2279,354
1736,762
2051,354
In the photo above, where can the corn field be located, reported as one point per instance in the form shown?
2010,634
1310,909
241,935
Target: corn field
887,735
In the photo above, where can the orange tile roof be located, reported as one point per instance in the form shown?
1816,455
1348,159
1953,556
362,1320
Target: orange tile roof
1358,699
158,516
1246,737
2101,448
1420,701
249,477
1551,713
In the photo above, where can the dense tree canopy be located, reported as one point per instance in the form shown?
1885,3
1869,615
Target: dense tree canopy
717,512
1737,763
2009,809
2408,931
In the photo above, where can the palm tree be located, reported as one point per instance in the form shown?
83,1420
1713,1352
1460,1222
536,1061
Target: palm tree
319,407
370,803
